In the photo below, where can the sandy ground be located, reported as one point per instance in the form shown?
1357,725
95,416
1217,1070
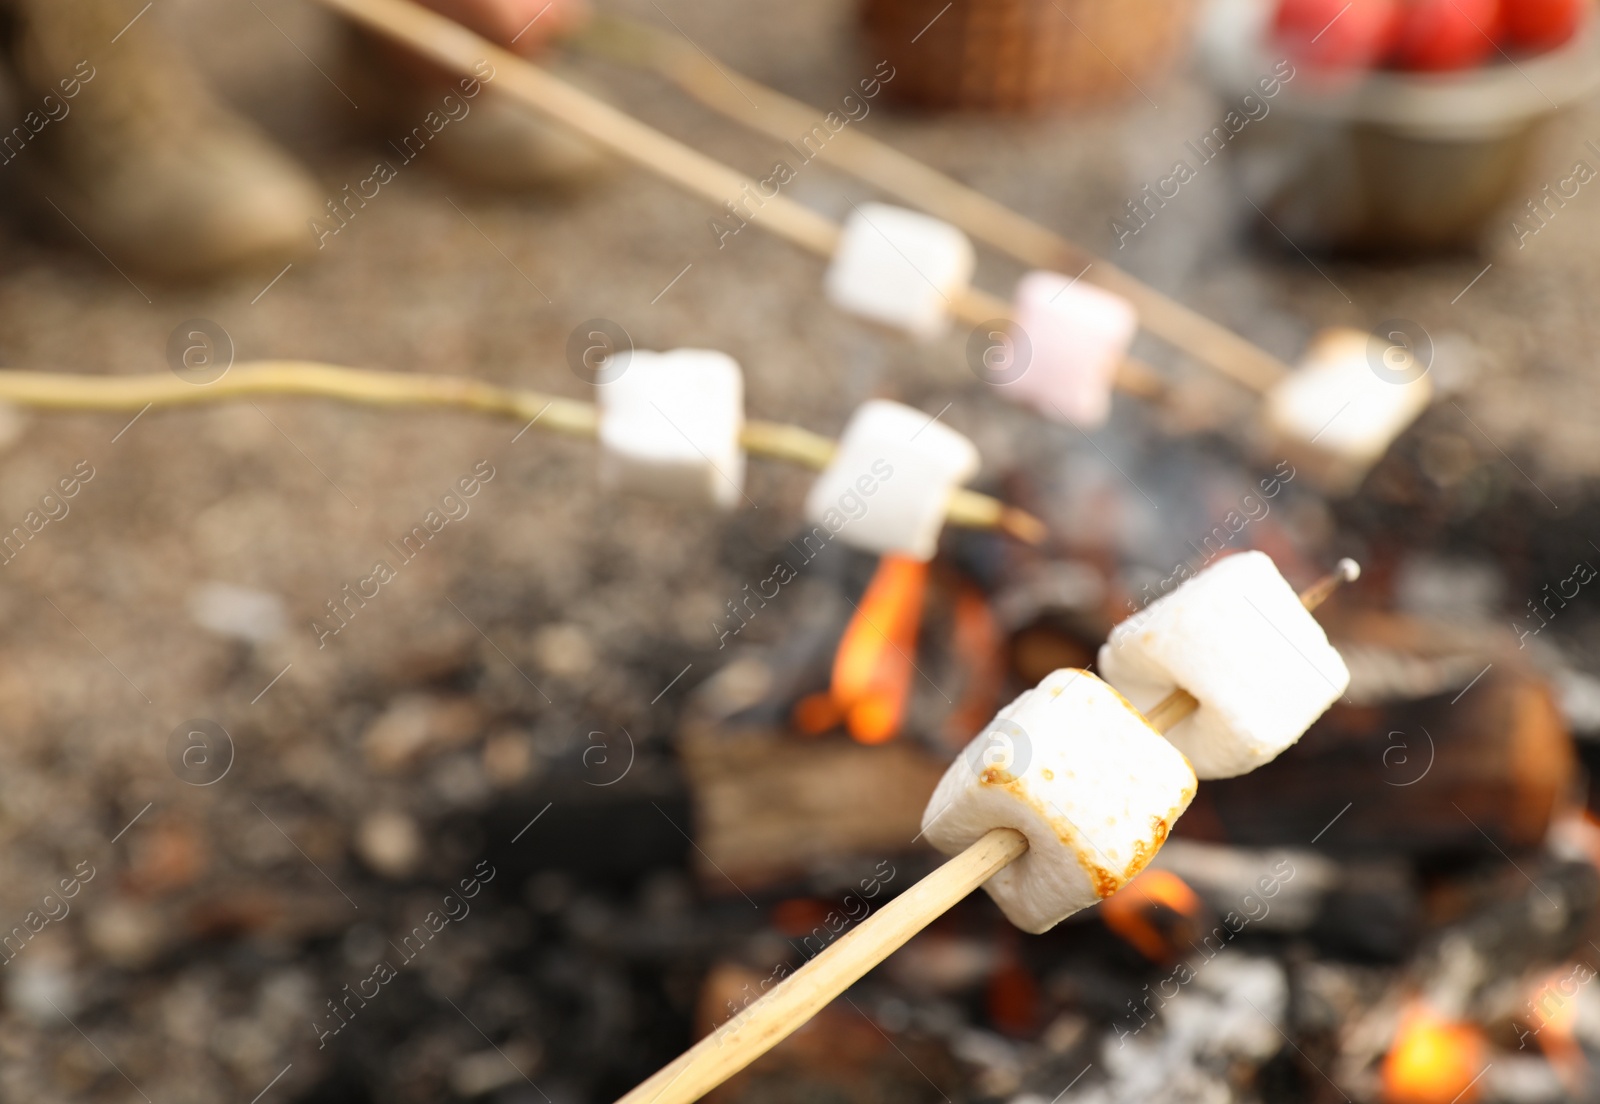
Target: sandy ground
546,608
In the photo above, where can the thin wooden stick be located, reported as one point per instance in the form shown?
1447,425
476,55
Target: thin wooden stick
763,109
457,48
63,391
767,1021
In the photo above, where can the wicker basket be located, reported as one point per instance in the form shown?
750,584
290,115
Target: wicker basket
1024,56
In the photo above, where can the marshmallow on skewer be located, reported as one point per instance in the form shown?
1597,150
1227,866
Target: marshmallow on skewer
889,482
1074,767
1237,637
1342,409
1076,335
670,424
900,268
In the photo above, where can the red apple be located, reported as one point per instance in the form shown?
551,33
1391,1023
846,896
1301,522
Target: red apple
1537,25
1337,34
1437,35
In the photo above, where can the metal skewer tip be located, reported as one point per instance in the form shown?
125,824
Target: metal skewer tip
1345,571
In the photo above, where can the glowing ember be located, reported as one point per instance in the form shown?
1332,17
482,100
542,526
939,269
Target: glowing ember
1131,912
1433,1060
797,916
1012,1000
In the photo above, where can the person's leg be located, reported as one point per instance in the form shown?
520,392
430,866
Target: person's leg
125,140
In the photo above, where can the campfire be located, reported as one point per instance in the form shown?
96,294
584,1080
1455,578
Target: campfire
1322,928
1200,670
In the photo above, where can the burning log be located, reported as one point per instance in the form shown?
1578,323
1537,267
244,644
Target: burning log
768,807
1479,758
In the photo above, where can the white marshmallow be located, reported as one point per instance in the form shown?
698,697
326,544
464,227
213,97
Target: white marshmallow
1072,766
1237,638
670,424
899,267
1336,411
889,483
1077,335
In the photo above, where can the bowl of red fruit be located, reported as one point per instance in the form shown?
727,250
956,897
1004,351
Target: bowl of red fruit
1393,125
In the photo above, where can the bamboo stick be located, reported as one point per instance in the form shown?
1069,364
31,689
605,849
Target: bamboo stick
453,46
763,109
266,378
766,1022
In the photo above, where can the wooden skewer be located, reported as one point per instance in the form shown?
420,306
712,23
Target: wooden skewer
766,1022
453,46
763,109
64,391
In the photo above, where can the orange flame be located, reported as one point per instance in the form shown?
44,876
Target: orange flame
1130,912
872,670
976,638
1433,1059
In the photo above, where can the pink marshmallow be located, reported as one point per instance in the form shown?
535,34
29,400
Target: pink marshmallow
1078,335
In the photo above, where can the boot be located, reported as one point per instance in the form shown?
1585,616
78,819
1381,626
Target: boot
127,142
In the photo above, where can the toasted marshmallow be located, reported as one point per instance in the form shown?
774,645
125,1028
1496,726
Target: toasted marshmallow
1076,335
889,483
1237,638
1342,409
1074,767
669,427
900,268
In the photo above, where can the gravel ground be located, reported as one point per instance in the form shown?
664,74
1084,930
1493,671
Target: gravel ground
369,777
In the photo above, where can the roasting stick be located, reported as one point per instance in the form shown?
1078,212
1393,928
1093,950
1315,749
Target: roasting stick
766,1022
453,46
766,110
64,391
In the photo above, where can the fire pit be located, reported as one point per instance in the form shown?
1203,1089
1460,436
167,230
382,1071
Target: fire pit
581,777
